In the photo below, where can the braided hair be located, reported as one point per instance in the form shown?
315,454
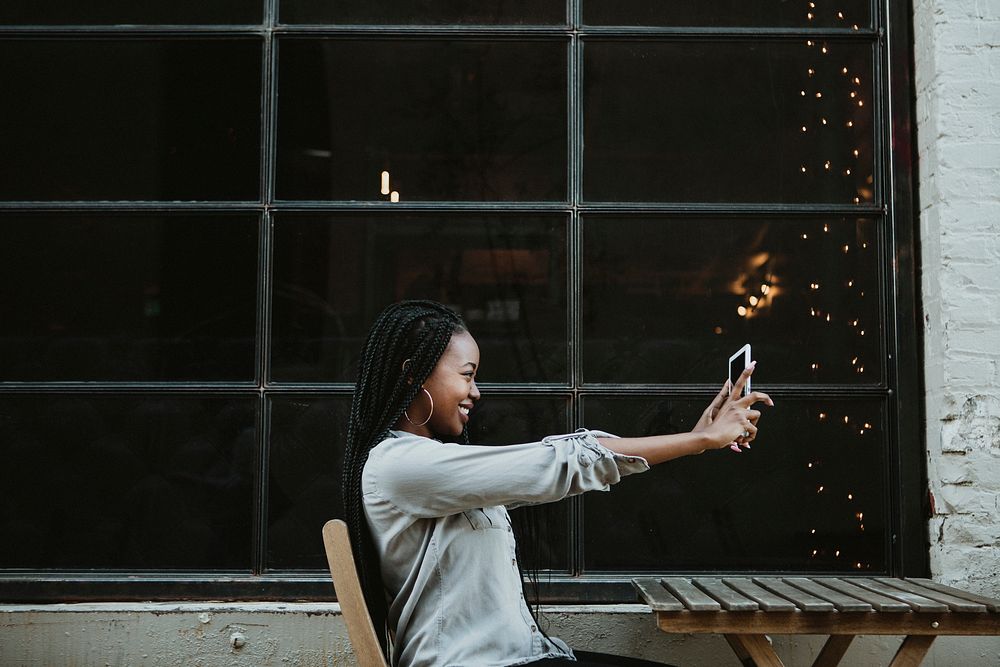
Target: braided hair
418,331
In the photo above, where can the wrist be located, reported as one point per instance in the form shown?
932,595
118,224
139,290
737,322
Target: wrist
700,441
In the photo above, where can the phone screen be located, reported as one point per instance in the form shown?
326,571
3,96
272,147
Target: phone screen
737,364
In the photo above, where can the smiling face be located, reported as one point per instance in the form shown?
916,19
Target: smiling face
452,384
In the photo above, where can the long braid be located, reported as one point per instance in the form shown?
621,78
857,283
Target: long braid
415,330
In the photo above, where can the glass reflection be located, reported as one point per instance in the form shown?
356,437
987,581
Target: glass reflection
130,119
129,12
807,497
791,123
672,309
334,274
850,14
126,482
109,297
306,454
425,12
456,119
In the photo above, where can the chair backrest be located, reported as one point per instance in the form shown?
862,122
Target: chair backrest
352,600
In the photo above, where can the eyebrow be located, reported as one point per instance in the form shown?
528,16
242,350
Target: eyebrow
469,363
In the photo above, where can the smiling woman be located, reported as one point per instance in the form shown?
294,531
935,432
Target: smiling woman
428,511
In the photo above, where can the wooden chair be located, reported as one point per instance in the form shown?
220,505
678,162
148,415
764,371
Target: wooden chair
337,541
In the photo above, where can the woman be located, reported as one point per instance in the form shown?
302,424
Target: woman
428,512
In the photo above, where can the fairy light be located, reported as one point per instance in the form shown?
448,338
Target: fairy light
742,310
385,183
753,300
394,196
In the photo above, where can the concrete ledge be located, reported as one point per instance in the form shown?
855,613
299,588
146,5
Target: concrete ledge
287,633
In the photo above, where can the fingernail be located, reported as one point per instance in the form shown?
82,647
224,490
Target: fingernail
746,446
735,448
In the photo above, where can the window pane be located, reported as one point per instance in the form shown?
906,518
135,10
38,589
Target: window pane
844,14
130,119
452,119
306,457
334,274
809,495
121,12
126,482
107,297
707,129
425,12
542,530
673,308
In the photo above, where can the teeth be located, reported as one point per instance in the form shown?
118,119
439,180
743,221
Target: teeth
464,410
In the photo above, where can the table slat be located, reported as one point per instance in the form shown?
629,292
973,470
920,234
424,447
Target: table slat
730,599
876,600
767,600
954,603
655,595
802,600
841,601
918,602
693,598
990,603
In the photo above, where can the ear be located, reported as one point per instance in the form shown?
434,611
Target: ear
405,369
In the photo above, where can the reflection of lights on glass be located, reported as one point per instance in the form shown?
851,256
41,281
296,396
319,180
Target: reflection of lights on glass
814,552
846,249
861,103
846,419
811,71
803,169
850,496
814,286
837,553
818,95
850,123
857,81
856,152
812,532
820,489
826,228
815,366
824,49
809,42
828,317
854,361
742,310
840,15
826,165
764,289
864,245
823,120
803,93
857,200
385,183
394,196
844,70
867,425
809,16
853,94
809,465
822,416
803,128
717,330
847,172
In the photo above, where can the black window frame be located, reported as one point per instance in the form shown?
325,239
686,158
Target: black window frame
901,388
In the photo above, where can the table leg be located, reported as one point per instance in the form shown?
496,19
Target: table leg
833,651
754,651
912,651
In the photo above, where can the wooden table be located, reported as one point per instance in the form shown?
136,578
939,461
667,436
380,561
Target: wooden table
745,609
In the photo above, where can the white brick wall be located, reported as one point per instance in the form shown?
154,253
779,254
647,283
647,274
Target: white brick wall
957,58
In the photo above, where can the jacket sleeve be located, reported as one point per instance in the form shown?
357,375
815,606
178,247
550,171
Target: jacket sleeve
426,478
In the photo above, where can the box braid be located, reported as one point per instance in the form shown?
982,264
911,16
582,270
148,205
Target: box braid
415,330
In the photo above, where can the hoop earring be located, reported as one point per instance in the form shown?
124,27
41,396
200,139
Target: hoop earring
431,398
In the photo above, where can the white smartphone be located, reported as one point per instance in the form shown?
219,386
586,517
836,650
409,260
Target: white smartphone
737,364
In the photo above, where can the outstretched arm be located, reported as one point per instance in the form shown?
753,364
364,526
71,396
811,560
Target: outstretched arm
728,420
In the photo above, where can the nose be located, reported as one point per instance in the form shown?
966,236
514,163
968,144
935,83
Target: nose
474,391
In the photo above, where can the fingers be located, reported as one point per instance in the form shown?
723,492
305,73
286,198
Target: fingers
754,397
741,381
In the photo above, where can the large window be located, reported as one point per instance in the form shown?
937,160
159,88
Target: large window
204,207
